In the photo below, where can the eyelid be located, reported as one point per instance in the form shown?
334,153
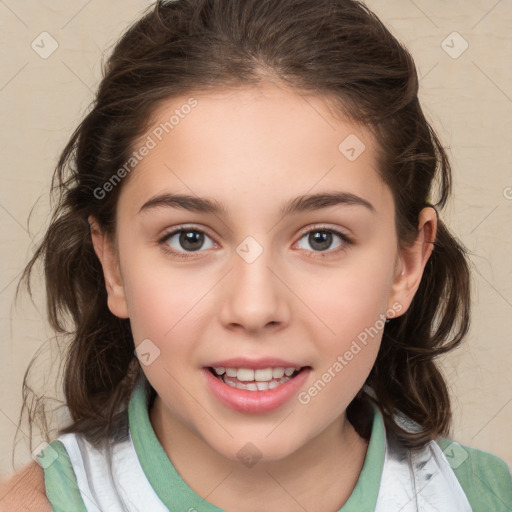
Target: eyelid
183,227
324,227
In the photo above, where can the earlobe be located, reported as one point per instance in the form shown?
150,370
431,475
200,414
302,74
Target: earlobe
412,260
111,271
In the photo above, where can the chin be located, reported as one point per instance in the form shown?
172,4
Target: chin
250,450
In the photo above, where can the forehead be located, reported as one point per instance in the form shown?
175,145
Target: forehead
264,143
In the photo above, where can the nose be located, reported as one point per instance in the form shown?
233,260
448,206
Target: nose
254,296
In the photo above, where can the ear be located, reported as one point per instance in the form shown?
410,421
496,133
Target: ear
412,260
111,270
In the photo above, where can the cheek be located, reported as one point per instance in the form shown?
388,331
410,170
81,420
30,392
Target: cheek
164,307
352,308
336,384
352,299
162,300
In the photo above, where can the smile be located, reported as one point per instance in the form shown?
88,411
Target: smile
264,387
261,379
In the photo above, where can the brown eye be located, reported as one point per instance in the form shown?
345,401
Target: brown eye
185,240
191,240
322,239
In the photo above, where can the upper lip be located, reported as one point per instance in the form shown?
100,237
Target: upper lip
265,362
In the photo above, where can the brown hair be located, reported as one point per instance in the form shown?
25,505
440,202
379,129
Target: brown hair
334,48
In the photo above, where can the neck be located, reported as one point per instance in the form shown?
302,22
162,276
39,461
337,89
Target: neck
332,460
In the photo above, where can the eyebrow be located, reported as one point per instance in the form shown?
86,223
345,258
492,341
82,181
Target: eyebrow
304,203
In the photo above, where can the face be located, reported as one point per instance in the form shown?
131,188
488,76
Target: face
262,280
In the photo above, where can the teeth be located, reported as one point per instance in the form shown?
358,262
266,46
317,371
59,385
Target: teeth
261,379
259,375
245,374
263,375
277,373
262,386
256,386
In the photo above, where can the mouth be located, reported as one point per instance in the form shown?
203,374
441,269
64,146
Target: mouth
255,385
260,379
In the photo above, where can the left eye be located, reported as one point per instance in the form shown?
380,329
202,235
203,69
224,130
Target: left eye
321,239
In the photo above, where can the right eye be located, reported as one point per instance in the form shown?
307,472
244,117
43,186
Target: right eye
189,239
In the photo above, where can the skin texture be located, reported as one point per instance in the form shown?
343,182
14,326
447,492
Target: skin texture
25,491
253,149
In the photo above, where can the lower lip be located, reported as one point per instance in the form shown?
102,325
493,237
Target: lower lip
255,401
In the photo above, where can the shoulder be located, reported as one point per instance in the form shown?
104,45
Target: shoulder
484,477
25,490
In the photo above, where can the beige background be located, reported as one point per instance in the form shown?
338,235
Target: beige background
469,100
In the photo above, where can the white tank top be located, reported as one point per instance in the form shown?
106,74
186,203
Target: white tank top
412,480
434,486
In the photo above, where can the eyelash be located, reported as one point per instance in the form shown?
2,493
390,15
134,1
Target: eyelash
347,241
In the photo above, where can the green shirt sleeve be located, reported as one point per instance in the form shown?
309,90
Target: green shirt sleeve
60,480
485,478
